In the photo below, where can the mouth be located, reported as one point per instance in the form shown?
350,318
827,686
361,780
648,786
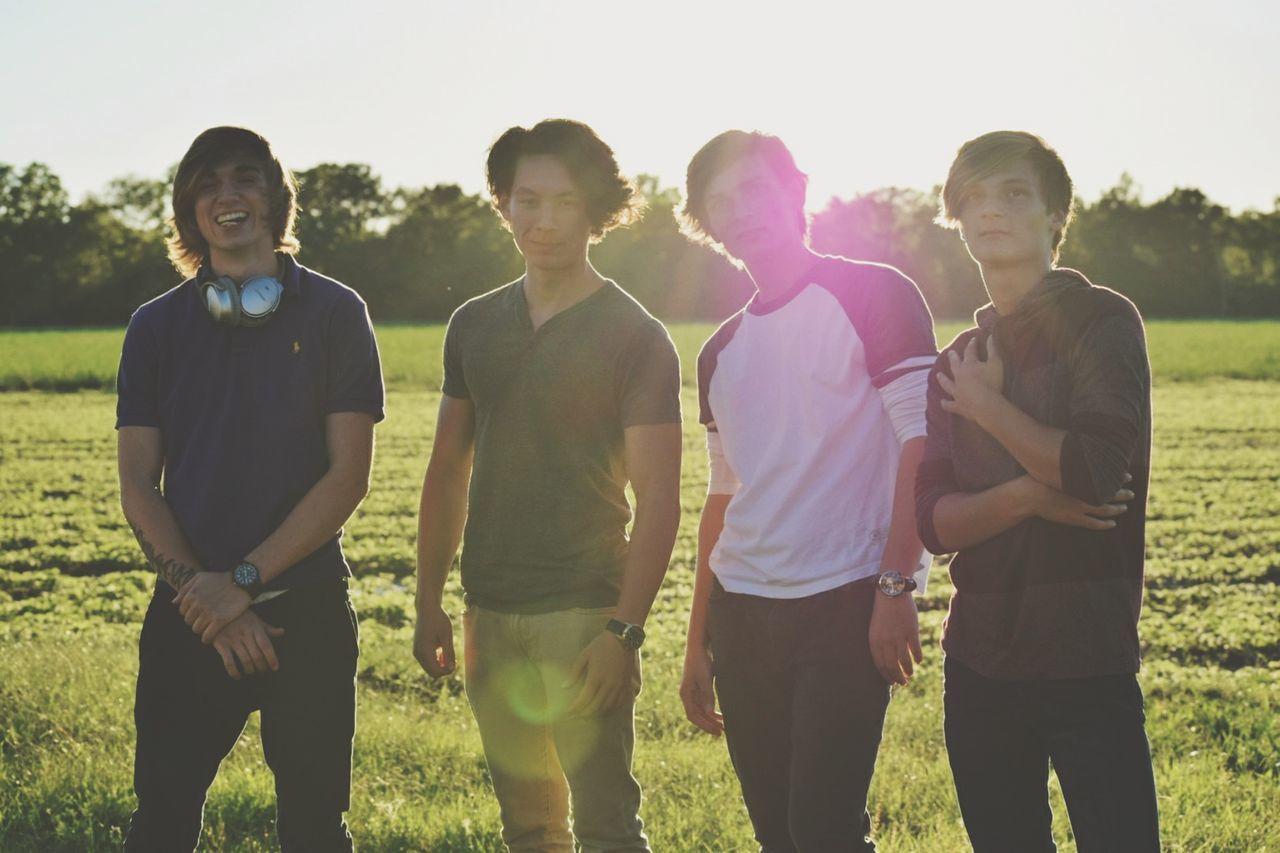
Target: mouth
229,220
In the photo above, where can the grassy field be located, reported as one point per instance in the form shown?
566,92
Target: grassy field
73,587
68,360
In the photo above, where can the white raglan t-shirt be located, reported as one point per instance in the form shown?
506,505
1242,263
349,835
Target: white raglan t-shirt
807,400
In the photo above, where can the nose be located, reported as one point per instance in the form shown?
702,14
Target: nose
545,219
225,188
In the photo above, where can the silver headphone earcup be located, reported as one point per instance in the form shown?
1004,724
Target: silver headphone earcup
259,298
220,299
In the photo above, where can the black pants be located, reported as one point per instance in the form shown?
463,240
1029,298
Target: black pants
189,713
1002,736
803,709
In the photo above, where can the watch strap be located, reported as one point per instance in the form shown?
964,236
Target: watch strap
631,636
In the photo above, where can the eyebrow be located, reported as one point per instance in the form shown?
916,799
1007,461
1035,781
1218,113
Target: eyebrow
239,168
531,191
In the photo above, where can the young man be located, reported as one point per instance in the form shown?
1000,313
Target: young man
1038,418
559,388
813,400
250,390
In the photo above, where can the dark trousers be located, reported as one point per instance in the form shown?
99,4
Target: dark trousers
803,709
1002,737
189,713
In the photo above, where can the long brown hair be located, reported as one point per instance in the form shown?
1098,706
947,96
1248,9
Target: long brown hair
217,145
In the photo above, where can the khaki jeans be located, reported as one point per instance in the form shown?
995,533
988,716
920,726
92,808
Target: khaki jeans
516,667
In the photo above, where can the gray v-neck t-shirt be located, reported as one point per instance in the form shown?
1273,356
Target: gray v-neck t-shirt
547,514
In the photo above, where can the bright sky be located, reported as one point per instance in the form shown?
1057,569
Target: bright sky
1177,93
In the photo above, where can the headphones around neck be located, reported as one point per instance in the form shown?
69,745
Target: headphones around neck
248,304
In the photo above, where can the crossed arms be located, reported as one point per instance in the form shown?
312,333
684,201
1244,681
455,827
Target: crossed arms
1092,500
210,603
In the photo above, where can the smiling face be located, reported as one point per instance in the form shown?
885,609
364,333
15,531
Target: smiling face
233,210
750,211
547,213
1004,220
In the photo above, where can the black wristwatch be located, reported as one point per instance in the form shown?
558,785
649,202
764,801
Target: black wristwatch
246,576
631,636
894,584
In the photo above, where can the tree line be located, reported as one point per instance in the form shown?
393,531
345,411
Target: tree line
417,253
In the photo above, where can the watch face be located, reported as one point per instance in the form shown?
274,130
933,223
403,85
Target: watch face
633,637
244,575
892,584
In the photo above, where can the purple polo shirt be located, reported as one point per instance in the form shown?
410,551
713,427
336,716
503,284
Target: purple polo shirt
242,410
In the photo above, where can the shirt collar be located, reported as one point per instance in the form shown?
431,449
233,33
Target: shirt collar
290,274
1047,290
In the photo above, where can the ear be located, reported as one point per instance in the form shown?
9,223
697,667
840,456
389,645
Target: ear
504,209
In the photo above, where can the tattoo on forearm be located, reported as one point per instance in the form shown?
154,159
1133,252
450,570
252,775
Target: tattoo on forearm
175,573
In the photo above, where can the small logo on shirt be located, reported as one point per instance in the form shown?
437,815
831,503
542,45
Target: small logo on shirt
297,347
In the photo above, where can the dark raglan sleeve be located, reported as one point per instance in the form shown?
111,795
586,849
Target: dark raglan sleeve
706,367
708,357
895,326
896,329
936,476
1110,404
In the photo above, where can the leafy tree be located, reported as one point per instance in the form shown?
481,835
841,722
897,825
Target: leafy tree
442,248
140,203
340,208
33,234
418,253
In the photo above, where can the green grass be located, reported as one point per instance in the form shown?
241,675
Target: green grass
71,359
73,588
59,359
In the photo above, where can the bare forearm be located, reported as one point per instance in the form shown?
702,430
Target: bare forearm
903,548
963,519
158,534
442,514
1038,448
652,537
327,505
313,521
652,457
